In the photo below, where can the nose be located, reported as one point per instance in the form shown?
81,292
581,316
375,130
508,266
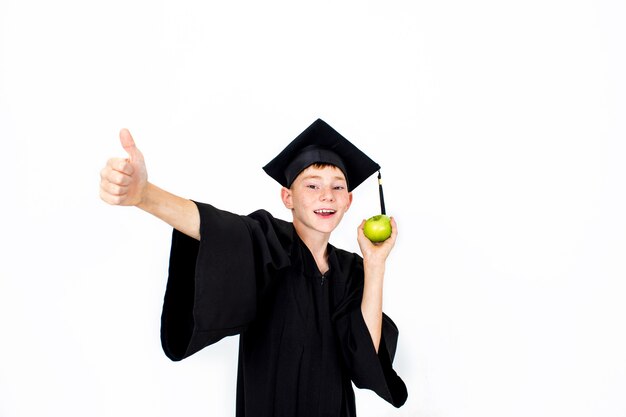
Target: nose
327,194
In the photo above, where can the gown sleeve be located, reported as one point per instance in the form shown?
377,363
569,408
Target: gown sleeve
213,283
366,368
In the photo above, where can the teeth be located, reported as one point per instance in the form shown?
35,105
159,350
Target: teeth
325,211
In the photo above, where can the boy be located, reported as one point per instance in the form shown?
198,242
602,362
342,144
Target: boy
309,315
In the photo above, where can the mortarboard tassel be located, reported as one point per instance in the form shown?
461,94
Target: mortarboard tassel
380,192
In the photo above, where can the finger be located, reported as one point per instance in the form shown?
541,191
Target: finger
113,189
111,199
394,227
360,235
115,177
122,165
128,143
105,197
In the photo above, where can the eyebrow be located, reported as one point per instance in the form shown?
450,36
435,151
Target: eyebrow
319,177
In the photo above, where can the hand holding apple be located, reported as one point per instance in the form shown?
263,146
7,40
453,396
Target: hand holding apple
376,253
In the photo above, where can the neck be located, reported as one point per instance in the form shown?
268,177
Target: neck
317,243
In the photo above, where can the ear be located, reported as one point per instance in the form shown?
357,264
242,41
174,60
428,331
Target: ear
285,195
349,201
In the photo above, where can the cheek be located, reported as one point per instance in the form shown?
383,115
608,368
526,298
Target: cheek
345,203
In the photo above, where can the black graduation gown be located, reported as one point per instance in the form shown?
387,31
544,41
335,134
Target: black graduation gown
303,339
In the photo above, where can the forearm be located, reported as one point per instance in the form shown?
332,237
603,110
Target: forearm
178,212
372,303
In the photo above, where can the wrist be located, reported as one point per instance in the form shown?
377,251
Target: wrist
145,198
373,264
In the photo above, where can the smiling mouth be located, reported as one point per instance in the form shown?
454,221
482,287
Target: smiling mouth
325,212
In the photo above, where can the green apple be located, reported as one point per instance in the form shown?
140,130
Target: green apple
377,228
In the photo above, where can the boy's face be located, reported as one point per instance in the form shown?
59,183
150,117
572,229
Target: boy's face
318,199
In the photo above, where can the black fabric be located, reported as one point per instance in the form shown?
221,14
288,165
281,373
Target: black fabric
303,340
313,155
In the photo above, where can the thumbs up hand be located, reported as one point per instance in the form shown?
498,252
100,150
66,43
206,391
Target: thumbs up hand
123,181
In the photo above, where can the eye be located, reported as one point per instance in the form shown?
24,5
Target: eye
339,187
312,186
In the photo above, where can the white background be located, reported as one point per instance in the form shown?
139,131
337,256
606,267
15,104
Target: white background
501,131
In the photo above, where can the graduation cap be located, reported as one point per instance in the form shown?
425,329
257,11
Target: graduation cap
320,143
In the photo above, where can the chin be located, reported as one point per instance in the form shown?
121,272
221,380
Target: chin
328,228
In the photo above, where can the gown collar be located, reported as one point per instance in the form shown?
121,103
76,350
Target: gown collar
303,257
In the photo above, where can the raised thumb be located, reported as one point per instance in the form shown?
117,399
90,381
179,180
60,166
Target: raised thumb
129,146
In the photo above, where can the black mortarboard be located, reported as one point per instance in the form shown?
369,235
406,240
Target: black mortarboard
320,143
